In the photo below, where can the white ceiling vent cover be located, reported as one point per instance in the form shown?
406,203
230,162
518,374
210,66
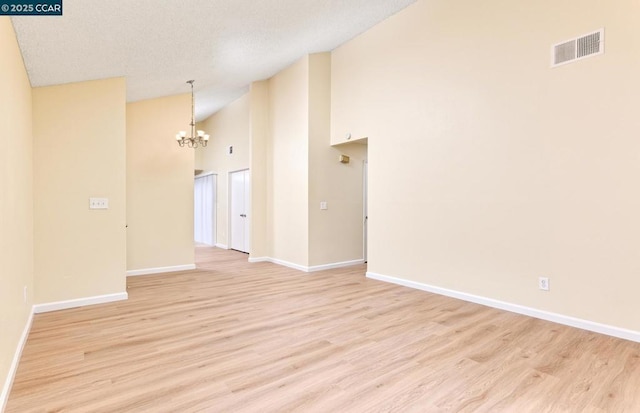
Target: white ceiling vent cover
569,51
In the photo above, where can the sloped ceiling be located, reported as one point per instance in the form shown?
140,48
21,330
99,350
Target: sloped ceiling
158,45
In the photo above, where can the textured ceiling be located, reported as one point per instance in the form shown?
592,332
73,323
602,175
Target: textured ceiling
158,45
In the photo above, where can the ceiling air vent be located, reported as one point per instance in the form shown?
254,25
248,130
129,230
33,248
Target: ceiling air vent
591,44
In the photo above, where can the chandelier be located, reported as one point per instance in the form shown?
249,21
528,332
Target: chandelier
193,140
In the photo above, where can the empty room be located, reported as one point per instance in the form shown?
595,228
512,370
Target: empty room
316,206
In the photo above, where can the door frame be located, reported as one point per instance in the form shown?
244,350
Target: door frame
365,209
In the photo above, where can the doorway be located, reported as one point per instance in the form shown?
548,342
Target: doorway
239,196
204,214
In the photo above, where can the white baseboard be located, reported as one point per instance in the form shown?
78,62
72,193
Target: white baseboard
280,262
79,302
8,383
334,265
160,270
515,308
224,247
306,268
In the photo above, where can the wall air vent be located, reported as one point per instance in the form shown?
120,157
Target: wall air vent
568,51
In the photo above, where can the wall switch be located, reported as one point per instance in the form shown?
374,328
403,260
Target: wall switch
543,283
323,205
98,203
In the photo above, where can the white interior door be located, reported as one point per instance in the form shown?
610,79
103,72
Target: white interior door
239,187
204,214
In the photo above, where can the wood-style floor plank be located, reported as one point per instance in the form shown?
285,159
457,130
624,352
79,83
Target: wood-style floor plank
238,337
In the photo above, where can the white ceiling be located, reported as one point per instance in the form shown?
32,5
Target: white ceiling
158,45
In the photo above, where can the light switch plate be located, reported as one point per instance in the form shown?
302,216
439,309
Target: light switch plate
98,203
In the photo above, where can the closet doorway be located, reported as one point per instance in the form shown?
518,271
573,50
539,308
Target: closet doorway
204,215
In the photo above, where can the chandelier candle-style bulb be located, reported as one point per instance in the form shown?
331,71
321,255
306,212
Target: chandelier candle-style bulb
193,140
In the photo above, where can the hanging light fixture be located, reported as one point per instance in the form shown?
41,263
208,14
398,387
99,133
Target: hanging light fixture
193,140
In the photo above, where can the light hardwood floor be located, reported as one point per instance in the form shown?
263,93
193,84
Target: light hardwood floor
238,337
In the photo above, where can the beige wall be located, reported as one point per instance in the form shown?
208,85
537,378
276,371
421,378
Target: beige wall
335,234
294,168
16,198
159,184
258,144
287,164
488,168
227,127
79,152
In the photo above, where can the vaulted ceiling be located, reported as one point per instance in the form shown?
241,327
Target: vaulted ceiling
158,45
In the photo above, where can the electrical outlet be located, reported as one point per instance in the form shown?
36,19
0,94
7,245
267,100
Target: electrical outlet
323,205
543,283
98,203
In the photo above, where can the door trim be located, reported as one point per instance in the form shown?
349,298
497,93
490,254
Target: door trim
365,210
